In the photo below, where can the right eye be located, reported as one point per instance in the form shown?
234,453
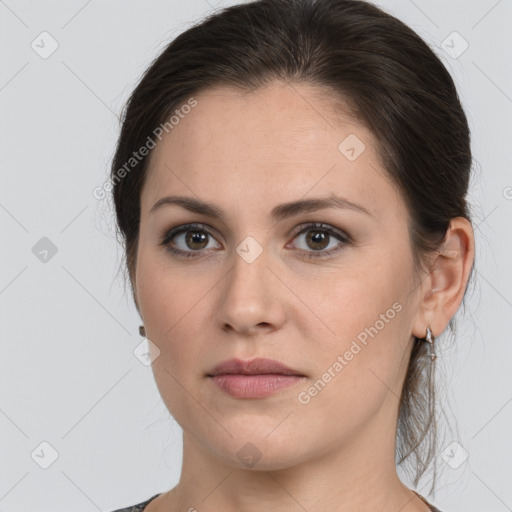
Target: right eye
192,238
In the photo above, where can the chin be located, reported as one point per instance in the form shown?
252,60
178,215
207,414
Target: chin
259,452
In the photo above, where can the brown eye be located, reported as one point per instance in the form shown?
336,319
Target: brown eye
187,240
191,240
318,237
317,240
196,239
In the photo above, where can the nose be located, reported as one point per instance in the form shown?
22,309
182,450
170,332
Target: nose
252,297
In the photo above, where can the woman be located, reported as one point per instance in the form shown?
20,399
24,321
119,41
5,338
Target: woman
290,184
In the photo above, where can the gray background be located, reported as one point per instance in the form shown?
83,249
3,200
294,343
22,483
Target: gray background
69,377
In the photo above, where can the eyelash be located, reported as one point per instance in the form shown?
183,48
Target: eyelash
169,235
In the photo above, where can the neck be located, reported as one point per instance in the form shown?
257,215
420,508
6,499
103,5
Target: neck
360,476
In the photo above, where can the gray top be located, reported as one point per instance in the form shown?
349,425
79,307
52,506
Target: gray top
141,506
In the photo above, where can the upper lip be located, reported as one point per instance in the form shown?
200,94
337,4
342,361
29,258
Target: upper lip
257,366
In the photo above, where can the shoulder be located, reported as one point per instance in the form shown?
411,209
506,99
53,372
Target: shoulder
139,507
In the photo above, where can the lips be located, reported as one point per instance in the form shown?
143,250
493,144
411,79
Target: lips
254,379
257,366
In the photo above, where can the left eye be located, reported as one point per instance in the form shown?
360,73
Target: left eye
318,238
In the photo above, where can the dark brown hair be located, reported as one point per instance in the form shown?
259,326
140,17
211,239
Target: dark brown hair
361,56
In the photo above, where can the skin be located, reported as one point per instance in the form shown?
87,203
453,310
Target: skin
248,152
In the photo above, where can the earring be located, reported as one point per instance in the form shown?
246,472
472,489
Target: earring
429,338
142,331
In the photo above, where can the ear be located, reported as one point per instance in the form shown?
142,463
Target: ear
443,289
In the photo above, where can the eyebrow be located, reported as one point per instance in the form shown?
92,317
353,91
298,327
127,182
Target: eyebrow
278,213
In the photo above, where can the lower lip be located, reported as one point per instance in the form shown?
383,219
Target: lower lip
254,386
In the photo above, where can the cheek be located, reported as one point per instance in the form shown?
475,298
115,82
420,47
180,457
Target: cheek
171,308
356,376
362,303
163,293
365,343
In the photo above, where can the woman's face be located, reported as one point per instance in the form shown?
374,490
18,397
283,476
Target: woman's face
340,313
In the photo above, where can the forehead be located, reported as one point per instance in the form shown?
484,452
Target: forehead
284,117
281,142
